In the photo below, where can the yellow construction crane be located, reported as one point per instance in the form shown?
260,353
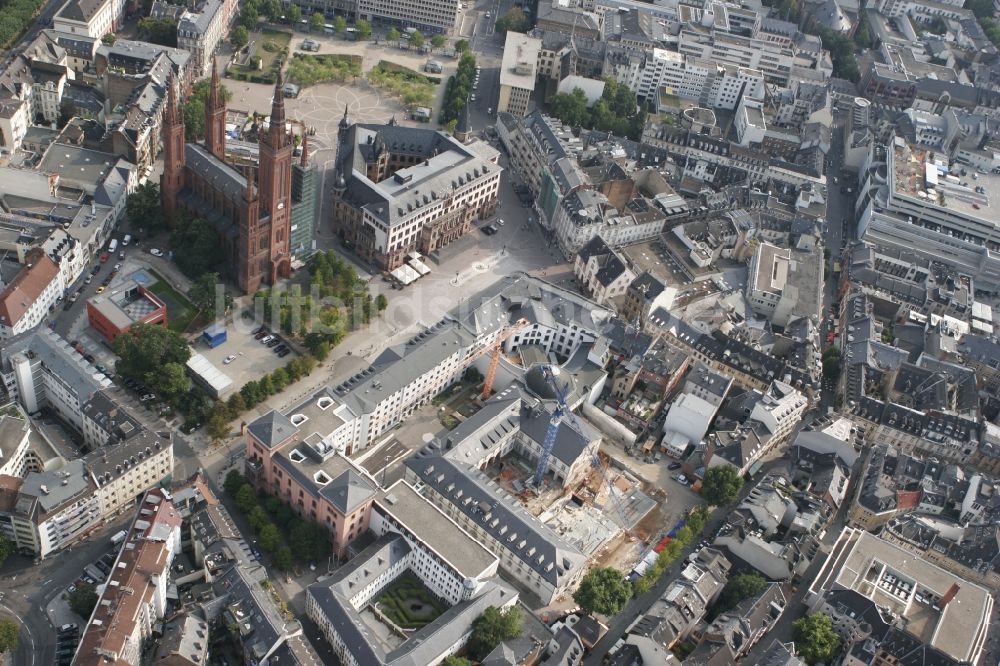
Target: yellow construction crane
491,372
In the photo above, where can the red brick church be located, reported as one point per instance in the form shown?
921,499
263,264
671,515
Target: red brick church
253,218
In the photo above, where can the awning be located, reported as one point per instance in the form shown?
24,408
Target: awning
419,266
405,274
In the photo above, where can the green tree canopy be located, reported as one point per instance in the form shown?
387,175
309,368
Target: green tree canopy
208,294
455,660
6,549
339,24
842,53
514,20
492,628
283,559
317,21
462,46
738,588
417,39
571,108
195,244
144,209
294,15
381,302
721,485
272,9
9,632
437,41
246,498
269,538
392,35
233,482
109,39
144,350
162,31
249,15
218,422
815,638
363,30
257,518
194,108
83,599
239,37
603,590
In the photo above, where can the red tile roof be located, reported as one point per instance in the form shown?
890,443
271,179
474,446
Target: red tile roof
26,287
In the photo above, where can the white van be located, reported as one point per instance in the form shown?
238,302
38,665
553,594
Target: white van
126,240
113,245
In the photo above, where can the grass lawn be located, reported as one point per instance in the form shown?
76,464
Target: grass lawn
180,312
409,603
271,46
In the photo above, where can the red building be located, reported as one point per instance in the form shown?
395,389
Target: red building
252,215
113,314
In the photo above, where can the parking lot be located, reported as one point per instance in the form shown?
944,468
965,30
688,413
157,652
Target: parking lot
253,358
66,621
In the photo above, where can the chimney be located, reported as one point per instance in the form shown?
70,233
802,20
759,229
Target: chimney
949,595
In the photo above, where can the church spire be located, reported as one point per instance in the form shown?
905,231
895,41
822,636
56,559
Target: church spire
305,147
277,132
215,118
213,95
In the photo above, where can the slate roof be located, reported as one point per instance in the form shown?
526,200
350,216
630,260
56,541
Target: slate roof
347,492
333,597
500,515
272,428
219,174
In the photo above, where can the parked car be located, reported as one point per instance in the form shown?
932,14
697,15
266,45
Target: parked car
155,252
147,397
274,342
100,290
267,338
283,354
88,358
90,278
674,465
230,359
261,332
280,348
104,257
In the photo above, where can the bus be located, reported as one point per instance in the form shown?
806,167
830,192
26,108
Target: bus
328,28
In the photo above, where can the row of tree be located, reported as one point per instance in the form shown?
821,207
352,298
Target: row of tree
254,392
458,88
831,362
269,537
673,550
616,111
